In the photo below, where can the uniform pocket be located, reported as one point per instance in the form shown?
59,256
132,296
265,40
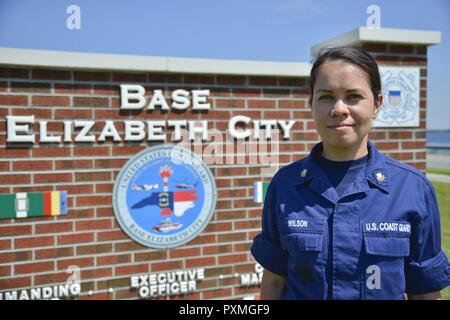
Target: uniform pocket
384,266
304,240
387,246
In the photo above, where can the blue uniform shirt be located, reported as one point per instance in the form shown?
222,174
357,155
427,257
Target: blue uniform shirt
378,240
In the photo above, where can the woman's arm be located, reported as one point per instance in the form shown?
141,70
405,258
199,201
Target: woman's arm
272,286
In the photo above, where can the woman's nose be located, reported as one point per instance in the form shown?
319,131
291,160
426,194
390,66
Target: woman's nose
339,109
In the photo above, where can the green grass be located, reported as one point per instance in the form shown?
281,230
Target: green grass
438,171
443,195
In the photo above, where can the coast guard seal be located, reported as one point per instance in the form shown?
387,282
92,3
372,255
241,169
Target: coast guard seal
401,91
164,197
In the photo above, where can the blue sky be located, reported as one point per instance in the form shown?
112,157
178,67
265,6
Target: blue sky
272,30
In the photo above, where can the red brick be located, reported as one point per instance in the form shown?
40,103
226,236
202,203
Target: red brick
234,258
51,74
401,155
199,79
73,164
9,179
422,61
76,238
302,115
263,81
91,151
47,279
104,188
375,47
292,82
87,262
53,177
113,259
129,77
292,104
4,166
198,262
413,144
228,248
30,87
73,88
34,242
128,246
231,80
14,73
387,145
50,101
110,114
3,86
107,90
5,244
421,49
246,92
133,269
111,235
54,227
150,256
407,49
126,150
16,256
73,114
94,249
5,271
34,267
85,201
93,224
230,103
400,135
261,104
386,59
163,266
90,102
218,293
15,100
53,253
377,135
13,153
32,165
91,76
92,176
13,283
104,212
50,152
180,253
246,224
229,237
96,273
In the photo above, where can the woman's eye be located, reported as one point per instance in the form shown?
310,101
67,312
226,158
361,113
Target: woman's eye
326,97
354,97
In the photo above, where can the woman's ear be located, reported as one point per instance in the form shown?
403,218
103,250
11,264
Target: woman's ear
378,103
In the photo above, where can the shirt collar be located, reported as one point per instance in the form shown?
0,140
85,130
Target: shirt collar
375,171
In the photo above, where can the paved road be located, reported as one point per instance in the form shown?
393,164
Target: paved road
438,160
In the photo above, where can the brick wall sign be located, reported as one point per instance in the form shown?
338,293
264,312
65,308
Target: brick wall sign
126,177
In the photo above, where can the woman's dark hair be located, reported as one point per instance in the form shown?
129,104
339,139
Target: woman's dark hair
351,55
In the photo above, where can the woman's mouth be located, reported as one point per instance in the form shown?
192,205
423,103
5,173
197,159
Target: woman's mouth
340,126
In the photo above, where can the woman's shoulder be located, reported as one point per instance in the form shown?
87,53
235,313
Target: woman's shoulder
403,170
290,171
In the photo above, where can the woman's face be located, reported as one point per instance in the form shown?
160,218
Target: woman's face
343,104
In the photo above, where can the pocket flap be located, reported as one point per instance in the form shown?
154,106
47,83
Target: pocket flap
302,241
387,246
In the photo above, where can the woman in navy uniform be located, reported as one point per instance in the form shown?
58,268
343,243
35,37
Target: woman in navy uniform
347,222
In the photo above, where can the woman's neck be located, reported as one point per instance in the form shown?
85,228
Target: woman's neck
345,154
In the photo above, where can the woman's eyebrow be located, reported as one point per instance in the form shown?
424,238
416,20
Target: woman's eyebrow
331,91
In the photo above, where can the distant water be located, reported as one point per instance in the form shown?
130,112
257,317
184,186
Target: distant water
439,138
